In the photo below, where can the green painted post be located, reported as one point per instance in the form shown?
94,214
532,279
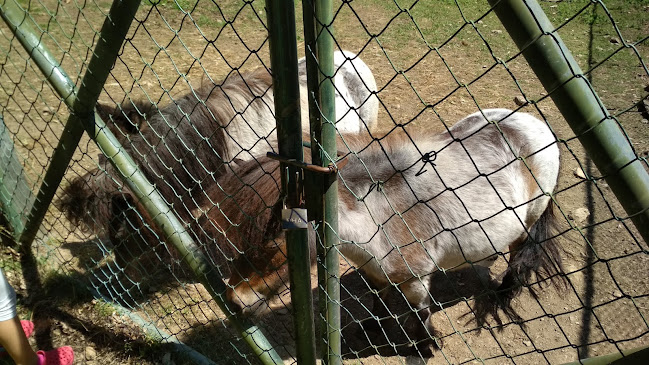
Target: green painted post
175,233
283,60
564,81
18,20
317,20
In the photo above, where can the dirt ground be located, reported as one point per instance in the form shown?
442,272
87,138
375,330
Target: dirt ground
423,83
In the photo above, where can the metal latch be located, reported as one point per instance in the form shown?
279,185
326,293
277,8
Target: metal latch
312,175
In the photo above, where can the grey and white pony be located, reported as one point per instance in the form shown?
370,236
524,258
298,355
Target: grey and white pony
356,102
412,205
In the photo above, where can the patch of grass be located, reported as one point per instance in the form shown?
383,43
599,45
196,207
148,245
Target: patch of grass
209,21
12,265
103,308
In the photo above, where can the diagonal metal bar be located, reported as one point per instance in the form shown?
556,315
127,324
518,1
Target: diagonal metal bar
18,20
20,24
175,233
579,104
639,355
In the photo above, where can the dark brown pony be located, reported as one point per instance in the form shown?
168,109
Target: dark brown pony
180,148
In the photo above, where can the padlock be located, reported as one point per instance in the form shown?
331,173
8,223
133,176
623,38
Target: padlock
294,218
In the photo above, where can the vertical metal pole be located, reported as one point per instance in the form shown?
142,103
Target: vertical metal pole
564,81
320,70
283,59
16,195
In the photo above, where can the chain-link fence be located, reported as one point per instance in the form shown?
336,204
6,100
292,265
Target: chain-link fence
434,208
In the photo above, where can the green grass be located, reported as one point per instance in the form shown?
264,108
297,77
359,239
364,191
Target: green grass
103,308
213,14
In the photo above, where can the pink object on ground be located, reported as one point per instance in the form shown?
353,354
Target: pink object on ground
28,327
59,356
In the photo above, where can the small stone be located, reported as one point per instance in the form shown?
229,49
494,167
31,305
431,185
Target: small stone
520,101
12,252
90,353
617,294
464,43
645,121
527,343
579,173
65,328
579,215
614,40
496,31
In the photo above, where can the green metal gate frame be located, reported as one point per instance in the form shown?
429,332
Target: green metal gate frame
524,20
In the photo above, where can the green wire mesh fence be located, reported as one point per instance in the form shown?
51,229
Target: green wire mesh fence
190,99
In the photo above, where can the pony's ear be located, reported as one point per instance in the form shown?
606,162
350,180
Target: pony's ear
137,112
104,111
127,118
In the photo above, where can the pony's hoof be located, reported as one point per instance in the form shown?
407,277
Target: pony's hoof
423,349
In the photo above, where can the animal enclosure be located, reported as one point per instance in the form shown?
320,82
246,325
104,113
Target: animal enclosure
454,139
